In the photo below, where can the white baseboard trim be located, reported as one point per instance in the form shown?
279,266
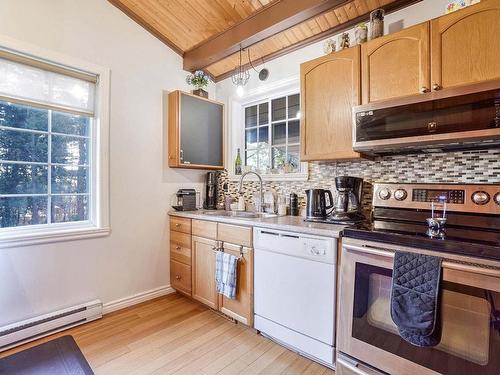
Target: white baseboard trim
136,298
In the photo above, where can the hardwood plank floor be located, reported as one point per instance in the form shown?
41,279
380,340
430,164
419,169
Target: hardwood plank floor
175,335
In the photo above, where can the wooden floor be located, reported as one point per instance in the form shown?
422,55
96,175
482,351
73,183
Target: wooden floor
174,335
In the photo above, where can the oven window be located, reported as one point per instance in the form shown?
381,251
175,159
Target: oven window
470,342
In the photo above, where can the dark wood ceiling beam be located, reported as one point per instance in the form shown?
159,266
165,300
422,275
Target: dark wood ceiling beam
389,8
270,20
142,22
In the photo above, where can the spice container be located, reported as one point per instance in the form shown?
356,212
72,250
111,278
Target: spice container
294,204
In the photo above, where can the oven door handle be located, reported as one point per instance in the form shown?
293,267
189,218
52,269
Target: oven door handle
494,272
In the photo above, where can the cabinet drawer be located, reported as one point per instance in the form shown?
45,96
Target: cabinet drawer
180,224
182,239
180,277
205,229
235,234
180,247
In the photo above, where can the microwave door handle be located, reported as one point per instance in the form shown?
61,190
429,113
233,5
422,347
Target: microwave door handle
493,272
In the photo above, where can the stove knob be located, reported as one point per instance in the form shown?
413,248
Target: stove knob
480,197
400,194
497,198
384,194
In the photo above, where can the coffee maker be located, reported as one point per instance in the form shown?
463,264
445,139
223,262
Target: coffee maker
347,207
211,191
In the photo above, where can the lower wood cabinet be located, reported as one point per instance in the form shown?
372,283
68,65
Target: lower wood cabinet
193,246
203,271
240,308
180,278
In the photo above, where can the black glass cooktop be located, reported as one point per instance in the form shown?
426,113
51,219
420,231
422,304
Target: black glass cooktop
474,236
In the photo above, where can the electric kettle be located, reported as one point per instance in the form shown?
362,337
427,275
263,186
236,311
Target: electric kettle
316,203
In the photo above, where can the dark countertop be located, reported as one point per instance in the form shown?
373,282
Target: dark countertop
476,244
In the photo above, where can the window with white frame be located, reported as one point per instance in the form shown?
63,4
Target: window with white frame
272,135
49,146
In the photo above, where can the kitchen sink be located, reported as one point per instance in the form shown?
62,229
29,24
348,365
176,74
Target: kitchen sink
240,214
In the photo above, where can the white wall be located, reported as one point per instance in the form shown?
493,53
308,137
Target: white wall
135,257
288,66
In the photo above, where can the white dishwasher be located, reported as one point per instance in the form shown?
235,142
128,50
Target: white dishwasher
294,291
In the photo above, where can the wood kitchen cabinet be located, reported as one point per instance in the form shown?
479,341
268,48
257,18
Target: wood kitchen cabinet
396,65
465,46
240,308
330,87
180,254
195,132
203,271
193,245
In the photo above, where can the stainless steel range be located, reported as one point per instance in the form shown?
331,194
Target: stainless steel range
461,224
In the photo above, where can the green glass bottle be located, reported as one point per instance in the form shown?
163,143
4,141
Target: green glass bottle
237,163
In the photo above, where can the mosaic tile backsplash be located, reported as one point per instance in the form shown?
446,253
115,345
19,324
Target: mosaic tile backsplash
452,167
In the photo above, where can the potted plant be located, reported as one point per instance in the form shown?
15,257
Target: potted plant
199,80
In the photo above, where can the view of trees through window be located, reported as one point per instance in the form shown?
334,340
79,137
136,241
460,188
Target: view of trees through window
44,166
272,135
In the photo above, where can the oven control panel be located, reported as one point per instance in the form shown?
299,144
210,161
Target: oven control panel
472,198
448,196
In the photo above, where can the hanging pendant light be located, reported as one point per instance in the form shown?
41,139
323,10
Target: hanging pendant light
240,77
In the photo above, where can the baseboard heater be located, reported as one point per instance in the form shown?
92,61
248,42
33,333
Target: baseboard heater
31,329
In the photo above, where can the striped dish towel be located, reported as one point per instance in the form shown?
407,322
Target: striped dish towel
226,270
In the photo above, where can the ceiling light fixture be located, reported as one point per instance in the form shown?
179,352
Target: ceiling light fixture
240,77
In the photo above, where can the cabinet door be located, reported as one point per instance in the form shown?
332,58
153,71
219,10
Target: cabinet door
330,87
180,277
465,46
195,132
203,271
241,308
396,65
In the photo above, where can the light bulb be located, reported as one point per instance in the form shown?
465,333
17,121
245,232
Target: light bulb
240,91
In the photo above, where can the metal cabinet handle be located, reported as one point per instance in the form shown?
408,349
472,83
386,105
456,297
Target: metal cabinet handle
424,90
436,87
177,248
432,126
177,277
177,225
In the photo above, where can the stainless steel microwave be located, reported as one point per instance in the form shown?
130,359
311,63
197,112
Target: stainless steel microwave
454,119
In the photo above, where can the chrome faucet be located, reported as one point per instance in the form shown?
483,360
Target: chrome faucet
240,190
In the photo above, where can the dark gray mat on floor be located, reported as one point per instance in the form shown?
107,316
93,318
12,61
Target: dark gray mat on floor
60,356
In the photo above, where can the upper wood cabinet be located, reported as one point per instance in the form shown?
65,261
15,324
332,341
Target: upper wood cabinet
240,308
203,271
465,46
396,65
330,87
195,132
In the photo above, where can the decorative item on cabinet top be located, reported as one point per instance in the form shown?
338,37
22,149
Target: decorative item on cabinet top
195,132
199,80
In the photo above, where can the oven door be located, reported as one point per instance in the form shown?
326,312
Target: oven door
470,306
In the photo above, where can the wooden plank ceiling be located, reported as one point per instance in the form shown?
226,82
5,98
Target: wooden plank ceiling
185,25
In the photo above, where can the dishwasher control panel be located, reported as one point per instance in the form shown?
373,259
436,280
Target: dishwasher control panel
321,249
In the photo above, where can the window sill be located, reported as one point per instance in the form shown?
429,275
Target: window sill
273,177
29,236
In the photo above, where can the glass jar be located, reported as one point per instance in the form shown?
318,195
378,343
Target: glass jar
377,23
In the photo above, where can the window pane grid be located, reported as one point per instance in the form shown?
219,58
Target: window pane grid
43,132
281,149
65,195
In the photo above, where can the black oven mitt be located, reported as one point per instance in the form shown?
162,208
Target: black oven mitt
415,298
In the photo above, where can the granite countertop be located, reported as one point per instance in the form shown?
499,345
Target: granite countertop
287,223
